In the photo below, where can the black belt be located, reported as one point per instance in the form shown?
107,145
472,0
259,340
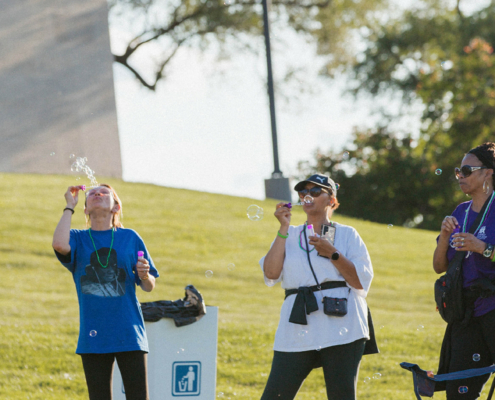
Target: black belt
305,302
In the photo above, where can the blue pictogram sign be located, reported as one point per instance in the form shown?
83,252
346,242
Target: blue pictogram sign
186,378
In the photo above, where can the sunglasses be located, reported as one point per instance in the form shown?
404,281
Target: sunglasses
465,171
313,192
94,193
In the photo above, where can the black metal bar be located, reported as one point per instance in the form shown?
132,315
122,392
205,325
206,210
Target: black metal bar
271,94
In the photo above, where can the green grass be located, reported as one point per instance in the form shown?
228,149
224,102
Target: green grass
187,233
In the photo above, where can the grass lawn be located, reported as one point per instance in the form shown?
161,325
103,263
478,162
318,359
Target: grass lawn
188,233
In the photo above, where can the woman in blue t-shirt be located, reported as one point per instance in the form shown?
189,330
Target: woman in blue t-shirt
106,269
471,344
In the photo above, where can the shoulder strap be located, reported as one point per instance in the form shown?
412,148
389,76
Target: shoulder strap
309,260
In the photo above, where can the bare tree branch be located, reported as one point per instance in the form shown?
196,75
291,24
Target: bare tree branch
152,34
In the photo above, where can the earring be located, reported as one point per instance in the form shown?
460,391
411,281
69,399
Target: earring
486,188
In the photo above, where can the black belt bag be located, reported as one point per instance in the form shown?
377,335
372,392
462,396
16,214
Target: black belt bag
335,307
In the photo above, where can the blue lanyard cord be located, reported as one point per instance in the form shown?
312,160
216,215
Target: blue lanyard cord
487,210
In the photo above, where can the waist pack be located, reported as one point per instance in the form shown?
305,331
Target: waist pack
334,307
449,292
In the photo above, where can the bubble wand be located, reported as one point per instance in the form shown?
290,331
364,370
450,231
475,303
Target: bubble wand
307,200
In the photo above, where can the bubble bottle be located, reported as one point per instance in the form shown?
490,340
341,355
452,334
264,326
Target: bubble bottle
311,230
140,255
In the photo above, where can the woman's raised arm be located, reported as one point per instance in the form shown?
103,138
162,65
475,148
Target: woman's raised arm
61,236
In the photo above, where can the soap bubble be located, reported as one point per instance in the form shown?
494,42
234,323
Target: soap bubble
80,165
345,155
343,331
377,375
420,328
220,394
463,389
67,376
254,212
231,266
181,351
92,333
367,379
228,2
52,153
476,357
337,186
390,226
302,332
438,171
209,274
318,348
308,199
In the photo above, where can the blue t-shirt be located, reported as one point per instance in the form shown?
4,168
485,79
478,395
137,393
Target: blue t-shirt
109,311
475,265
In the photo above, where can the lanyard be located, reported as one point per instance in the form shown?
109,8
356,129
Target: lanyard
109,252
300,240
487,210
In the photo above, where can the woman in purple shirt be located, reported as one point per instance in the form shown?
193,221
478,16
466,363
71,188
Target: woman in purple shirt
471,344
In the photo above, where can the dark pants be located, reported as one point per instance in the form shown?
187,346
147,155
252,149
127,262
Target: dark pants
340,369
467,342
98,369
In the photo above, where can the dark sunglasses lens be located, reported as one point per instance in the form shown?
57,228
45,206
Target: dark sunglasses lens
315,191
466,170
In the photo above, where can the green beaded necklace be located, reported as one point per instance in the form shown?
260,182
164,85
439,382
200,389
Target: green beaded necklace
97,256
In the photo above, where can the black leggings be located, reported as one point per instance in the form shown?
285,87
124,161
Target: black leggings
98,369
469,341
340,369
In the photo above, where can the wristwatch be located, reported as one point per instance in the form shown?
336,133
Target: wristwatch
336,255
488,251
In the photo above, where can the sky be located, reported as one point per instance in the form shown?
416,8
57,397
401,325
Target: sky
207,127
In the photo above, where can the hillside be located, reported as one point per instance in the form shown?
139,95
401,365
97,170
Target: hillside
188,233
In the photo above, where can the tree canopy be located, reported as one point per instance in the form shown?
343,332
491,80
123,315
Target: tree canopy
168,25
443,59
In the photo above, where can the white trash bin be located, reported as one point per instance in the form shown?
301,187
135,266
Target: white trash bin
182,362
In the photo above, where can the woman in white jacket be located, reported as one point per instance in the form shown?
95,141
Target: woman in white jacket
306,337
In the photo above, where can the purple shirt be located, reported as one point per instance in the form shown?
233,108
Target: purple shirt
475,265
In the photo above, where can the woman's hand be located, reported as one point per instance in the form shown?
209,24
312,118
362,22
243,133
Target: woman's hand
322,246
468,242
449,223
283,215
143,268
72,196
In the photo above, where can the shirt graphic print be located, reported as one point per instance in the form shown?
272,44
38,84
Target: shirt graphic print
103,282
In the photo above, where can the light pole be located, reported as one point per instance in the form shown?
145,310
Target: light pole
277,187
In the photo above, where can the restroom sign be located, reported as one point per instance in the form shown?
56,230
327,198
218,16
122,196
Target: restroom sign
186,378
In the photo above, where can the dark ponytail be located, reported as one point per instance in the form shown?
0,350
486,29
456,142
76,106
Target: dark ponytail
486,154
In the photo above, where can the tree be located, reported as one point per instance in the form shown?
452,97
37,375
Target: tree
169,25
379,164
443,59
